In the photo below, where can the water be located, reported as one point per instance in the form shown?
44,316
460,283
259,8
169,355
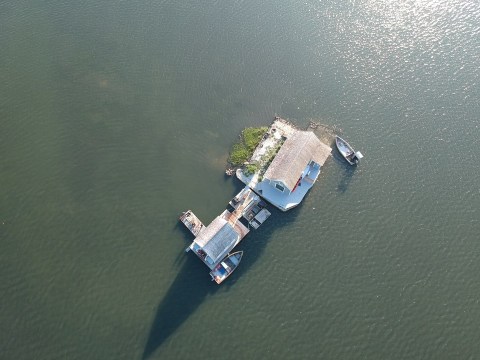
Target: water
116,117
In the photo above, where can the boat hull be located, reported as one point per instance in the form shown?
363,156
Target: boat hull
345,150
226,267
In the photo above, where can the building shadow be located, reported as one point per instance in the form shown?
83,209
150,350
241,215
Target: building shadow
192,286
187,292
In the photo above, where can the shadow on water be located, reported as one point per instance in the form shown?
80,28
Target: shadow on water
187,292
192,284
347,173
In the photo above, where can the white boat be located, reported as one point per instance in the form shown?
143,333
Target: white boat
226,267
347,151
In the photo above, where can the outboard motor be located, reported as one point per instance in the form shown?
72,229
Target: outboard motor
357,156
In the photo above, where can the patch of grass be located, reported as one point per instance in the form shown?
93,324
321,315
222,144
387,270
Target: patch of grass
252,137
251,169
243,150
239,154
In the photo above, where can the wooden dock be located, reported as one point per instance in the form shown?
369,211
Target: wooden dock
233,219
250,206
213,243
259,218
193,223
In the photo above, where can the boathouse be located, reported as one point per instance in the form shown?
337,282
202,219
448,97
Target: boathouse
216,240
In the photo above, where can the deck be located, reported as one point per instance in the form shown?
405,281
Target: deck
213,243
250,206
233,219
259,219
192,222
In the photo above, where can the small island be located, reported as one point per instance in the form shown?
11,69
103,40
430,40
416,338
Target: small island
279,163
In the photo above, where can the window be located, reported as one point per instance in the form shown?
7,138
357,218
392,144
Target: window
279,187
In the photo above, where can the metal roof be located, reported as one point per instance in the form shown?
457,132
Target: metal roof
217,239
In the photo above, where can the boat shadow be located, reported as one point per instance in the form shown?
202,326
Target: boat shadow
346,176
192,286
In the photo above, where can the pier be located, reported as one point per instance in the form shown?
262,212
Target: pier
192,222
214,242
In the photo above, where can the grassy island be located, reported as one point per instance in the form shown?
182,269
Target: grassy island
243,150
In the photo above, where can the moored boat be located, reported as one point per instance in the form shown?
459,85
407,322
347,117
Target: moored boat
226,267
347,151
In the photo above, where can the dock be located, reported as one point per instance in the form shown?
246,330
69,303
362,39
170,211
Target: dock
251,207
192,222
213,243
259,218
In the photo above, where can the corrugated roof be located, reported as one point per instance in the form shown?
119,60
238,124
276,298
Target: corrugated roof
294,155
218,238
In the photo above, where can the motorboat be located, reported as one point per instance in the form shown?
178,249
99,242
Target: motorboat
344,148
223,270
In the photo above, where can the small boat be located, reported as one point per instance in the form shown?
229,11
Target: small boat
226,267
347,151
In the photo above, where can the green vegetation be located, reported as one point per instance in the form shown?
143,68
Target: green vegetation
239,154
253,136
243,150
251,169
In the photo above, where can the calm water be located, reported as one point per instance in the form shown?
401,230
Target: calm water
117,116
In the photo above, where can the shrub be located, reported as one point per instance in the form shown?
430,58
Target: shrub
252,137
239,154
243,150
251,169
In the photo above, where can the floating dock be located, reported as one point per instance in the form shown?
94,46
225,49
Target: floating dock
213,243
251,207
192,222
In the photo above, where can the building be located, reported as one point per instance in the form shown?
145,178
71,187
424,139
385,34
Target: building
216,240
294,169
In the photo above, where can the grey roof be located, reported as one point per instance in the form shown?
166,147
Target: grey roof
218,238
294,155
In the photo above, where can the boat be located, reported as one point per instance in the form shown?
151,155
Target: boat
226,267
347,151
